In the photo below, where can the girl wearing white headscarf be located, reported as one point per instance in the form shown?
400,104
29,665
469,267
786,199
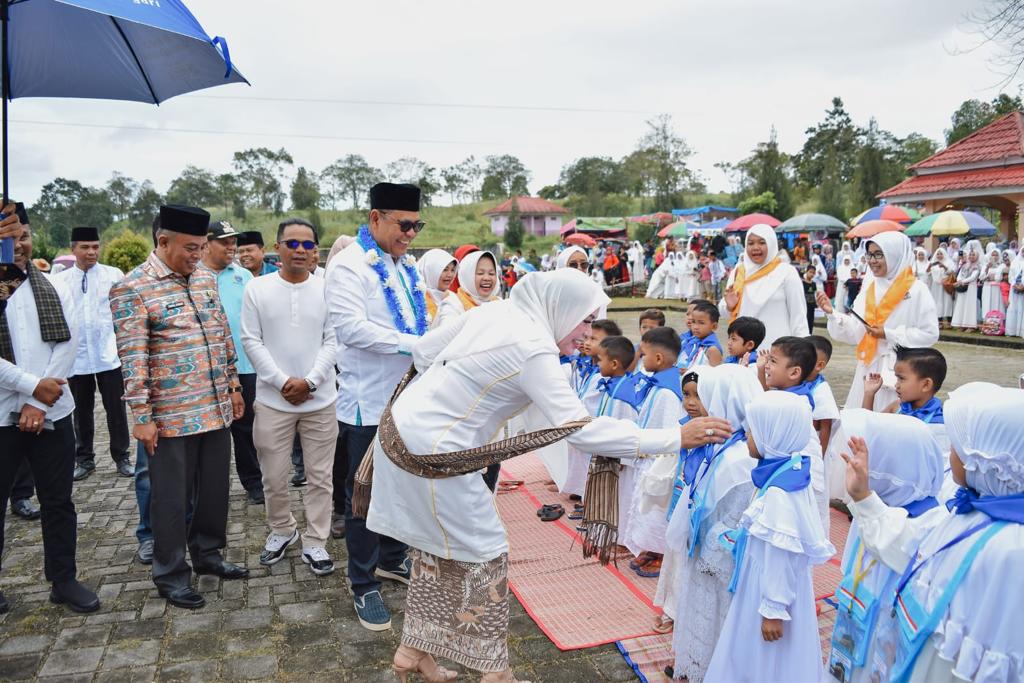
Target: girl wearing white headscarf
905,469
1015,311
920,264
771,630
672,275
844,271
495,362
437,270
965,299
635,254
691,276
764,287
977,635
478,284
938,270
991,279
903,317
720,492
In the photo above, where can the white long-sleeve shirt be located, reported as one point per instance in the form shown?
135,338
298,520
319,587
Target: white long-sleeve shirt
376,354
287,332
35,359
784,312
90,310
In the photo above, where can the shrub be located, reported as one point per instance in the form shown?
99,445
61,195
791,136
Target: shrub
126,251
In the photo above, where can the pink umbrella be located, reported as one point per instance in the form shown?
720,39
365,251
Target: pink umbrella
750,220
581,240
872,228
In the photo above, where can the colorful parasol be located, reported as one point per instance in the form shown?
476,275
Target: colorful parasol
952,223
581,240
678,229
872,228
887,212
750,220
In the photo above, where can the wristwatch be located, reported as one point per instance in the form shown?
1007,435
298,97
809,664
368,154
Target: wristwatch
312,387
235,390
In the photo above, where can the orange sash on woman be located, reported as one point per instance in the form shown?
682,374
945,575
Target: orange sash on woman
431,307
741,281
876,314
468,302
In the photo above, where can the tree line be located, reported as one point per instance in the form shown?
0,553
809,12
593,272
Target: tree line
839,170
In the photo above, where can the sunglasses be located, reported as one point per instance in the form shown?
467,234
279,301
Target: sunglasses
308,245
406,226
579,265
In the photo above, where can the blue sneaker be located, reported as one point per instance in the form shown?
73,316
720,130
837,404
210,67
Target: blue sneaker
402,573
372,612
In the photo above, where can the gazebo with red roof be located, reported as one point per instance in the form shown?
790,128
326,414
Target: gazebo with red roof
986,168
539,216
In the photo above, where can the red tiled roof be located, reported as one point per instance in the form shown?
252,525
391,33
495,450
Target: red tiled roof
974,179
1000,139
528,205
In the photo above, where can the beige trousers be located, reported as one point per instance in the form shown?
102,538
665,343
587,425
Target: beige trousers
273,432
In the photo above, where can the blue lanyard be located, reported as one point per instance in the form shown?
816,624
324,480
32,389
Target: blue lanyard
909,572
713,461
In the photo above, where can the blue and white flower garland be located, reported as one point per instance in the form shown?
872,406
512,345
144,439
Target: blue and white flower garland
374,258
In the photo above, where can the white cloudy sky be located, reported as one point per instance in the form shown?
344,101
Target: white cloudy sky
726,70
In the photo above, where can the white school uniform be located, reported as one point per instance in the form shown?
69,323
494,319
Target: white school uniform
579,462
775,575
991,293
965,304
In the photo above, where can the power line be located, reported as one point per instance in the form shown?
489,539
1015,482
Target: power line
441,105
199,131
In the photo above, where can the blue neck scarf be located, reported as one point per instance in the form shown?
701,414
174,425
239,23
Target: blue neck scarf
816,381
752,360
803,389
999,508
643,385
790,480
566,360
919,507
929,413
705,454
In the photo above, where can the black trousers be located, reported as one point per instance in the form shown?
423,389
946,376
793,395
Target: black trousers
83,388
51,455
24,485
366,550
188,470
246,464
810,317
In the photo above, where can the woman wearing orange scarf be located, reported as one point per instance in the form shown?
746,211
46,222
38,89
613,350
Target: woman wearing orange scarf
762,286
898,309
478,284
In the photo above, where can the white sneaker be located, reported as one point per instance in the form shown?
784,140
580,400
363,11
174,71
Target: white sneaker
318,560
275,547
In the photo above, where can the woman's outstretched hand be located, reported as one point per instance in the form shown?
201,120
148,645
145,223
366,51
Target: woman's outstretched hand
700,431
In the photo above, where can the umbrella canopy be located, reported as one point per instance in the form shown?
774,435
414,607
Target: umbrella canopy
105,49
807,222
677,229
712,228
658,218
581,240
750,220
872,228
952,223
887,212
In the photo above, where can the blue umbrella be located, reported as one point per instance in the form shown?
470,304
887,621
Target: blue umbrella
140,51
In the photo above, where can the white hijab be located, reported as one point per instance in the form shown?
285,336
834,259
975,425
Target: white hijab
845,268
544,307
984,426
920,266
725,391
780,423
467,275
563,257
759,291
898,257
905,463
430,267
1017,267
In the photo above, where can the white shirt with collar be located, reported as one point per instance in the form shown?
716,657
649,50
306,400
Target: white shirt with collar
376,354
90,313
35,358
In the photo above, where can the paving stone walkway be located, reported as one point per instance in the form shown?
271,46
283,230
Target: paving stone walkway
281,624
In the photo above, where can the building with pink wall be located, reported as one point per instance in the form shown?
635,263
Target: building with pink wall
539,216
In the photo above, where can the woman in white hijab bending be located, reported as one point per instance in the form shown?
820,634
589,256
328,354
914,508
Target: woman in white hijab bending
657,288
494,362
965,302
899,311
938,270
437,270
1015,311
478,284
965,568
764,287
991,278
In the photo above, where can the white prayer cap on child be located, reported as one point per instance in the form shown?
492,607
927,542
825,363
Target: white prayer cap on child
779,422
985,430
905,463
725,391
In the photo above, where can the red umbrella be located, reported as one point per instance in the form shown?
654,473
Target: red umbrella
872,228
581,240
750,220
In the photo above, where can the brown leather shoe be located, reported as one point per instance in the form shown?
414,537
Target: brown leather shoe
337,525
